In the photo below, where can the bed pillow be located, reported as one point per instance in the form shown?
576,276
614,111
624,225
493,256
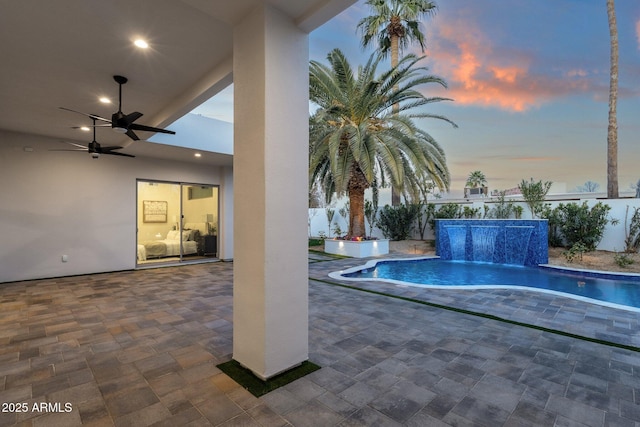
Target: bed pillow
185,235
173,235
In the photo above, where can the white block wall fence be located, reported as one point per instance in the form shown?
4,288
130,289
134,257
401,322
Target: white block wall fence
613,239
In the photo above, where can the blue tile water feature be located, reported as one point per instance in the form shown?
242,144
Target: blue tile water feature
502,241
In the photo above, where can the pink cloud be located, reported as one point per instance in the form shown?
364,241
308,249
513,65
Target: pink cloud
479,75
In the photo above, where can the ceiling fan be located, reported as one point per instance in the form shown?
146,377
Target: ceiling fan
120,122
94,148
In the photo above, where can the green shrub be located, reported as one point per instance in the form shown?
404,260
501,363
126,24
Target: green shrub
518,210
576,250
555,234
534,194
470,213
446,211
502,208
632,232
581,224
315,242
425,213
396,222
623,260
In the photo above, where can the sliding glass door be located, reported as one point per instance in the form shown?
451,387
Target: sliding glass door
177,222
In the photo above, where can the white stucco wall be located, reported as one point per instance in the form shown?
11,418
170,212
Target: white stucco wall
65,203
612,240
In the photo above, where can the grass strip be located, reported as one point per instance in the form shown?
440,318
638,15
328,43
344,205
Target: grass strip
484,315
328,255
259,387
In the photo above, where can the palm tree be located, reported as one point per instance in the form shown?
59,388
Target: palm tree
356,137
395,25
612,130
476,179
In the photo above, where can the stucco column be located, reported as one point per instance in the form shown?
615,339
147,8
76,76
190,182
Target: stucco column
270,166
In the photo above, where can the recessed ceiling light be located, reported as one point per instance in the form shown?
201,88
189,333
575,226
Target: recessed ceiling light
141,44
198,155
105,100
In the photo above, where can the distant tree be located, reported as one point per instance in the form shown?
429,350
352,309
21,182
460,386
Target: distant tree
534,194
637,188
588,187
612,129
395,24
476,179
330,214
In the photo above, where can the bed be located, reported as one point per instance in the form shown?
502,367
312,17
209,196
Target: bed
188,240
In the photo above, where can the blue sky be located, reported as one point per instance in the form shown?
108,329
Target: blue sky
529,80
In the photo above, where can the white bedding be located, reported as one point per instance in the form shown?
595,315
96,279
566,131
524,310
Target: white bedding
170,246
173,247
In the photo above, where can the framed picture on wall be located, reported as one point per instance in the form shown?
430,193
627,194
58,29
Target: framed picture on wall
154,211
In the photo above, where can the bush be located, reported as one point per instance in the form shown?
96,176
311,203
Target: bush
579,224
503,208
555,234
623,260
315,241
470,213
576,251
446,211
632,232
396,222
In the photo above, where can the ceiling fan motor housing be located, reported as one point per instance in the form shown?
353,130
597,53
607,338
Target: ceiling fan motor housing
119,122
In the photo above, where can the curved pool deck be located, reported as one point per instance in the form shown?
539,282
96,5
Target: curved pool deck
550,310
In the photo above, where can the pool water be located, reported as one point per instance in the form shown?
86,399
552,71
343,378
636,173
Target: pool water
608,288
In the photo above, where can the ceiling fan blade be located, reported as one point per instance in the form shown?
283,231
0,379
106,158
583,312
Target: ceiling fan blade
93,116
111,148
133,117
69,149
131,134
106,125
150,129
116,153
84,147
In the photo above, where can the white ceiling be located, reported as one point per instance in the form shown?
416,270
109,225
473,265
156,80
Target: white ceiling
64,53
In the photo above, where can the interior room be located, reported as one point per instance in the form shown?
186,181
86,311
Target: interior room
177,222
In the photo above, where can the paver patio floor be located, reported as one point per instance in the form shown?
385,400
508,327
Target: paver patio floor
140,348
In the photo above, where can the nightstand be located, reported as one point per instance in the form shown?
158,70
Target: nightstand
210,245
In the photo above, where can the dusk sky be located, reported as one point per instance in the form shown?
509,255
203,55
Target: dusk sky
529,82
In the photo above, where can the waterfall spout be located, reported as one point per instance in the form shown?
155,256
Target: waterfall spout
484,242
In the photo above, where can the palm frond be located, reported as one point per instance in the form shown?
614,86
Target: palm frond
355,136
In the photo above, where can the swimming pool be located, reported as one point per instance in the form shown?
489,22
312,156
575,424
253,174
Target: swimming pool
619,290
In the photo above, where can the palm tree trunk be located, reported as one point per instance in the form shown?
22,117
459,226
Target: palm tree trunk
356,213
395,53
612,130
357,184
